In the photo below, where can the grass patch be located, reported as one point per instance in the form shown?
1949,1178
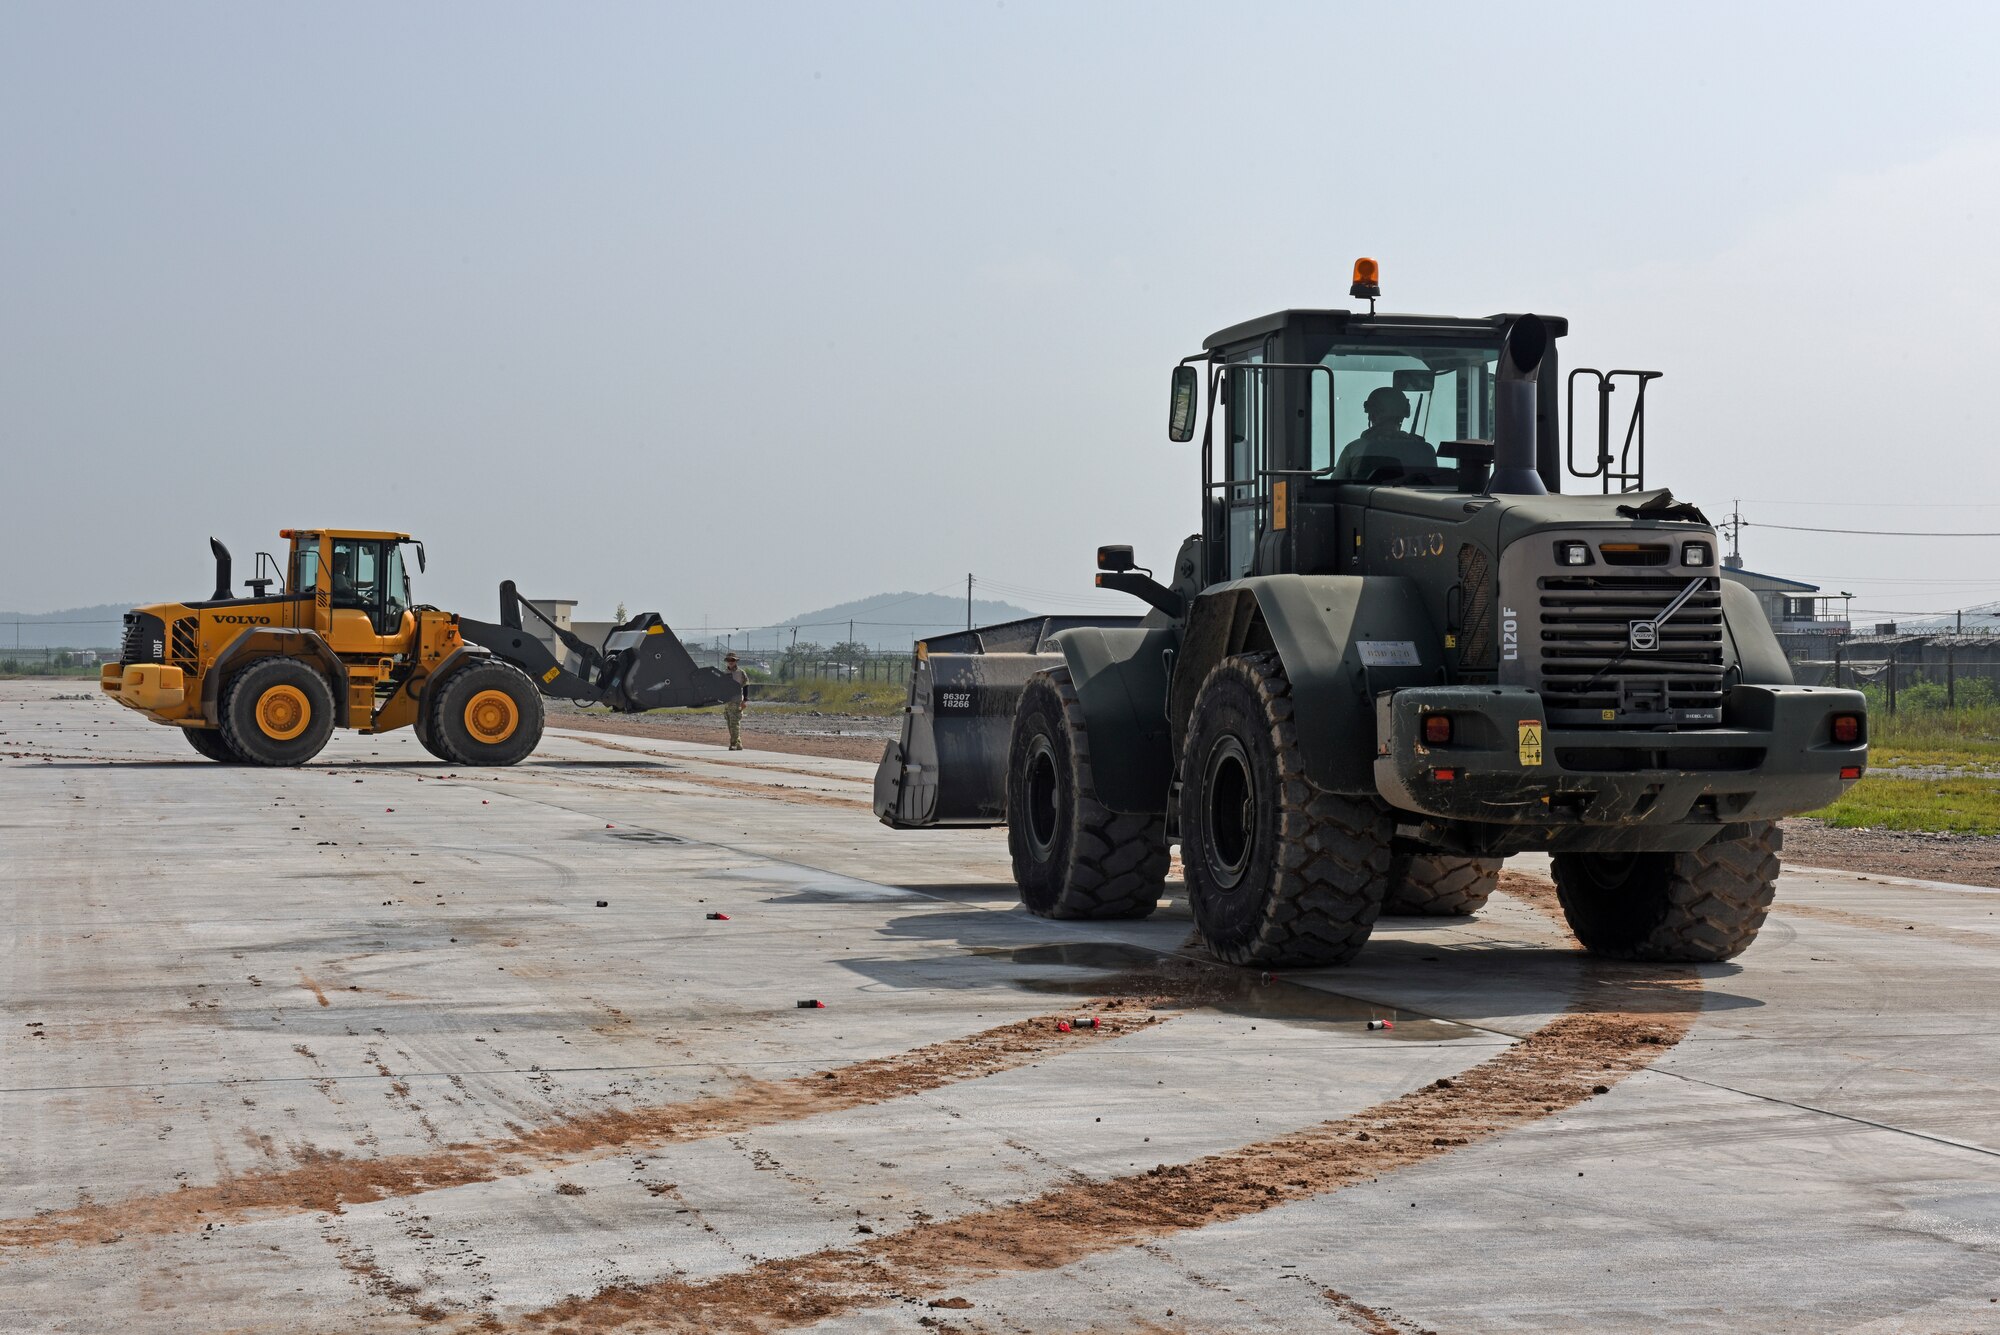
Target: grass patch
1948,806
1967,738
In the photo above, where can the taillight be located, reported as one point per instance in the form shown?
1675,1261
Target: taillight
1847,729
1437,729
1850,771
1444,775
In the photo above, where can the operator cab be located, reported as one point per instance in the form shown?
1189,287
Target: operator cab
1315,407
361,577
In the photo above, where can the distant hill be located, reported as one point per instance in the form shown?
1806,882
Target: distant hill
97,627
885,621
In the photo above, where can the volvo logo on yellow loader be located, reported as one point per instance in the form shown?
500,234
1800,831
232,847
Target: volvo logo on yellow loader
244,621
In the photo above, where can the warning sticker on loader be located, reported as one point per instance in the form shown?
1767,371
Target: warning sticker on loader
555,672
1531,741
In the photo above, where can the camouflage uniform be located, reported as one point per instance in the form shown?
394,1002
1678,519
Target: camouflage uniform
732,710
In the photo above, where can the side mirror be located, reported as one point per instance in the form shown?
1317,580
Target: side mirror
420,558
1180,408
1116,558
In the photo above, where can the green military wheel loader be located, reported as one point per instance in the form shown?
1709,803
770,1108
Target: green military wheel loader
1394,654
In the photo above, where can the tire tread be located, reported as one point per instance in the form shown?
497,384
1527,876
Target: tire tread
1118,861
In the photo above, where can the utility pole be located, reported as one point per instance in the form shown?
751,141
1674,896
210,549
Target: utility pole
1735,526
968,600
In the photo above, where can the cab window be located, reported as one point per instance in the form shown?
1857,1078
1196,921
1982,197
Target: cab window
1387,405
368,577
305,569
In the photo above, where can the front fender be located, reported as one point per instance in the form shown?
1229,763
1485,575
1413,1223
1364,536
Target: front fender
273,641
1753,650
1343,639
1120,675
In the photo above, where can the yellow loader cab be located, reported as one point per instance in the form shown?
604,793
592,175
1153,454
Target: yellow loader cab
265,679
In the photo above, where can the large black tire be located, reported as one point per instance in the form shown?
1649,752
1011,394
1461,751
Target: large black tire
277,711
211,743
1279,872
1439,885
1073,858
426,732
486,713
1695,907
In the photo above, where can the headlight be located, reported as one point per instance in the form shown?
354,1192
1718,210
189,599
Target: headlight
1573,553
1694,553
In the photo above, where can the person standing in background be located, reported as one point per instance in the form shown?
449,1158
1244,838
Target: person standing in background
732,710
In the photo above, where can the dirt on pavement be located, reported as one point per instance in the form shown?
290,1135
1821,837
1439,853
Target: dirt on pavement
1621,1019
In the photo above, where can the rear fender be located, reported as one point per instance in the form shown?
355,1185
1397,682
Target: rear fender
273,642
1120,675
1343,640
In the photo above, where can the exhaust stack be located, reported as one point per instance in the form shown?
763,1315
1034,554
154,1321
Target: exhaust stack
221,571
1514,392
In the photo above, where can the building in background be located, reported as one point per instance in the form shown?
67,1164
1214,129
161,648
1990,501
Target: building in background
1805,620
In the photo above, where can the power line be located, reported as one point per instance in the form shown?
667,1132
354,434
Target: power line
1881,505
1869,532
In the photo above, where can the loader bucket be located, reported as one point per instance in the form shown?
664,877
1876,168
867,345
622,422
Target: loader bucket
650,668
641,665
949,768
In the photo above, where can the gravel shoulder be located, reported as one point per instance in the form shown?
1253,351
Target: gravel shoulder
1966,859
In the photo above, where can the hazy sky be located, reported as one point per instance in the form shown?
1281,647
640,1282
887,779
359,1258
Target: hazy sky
732,311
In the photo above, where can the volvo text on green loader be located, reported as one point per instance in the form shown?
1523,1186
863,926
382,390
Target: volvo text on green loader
1393,655
266,677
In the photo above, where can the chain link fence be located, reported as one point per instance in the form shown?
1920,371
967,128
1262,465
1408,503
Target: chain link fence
1912,673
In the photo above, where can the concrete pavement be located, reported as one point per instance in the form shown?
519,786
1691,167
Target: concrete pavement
356,1047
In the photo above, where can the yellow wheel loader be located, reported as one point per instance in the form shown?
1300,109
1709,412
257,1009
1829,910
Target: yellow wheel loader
265,678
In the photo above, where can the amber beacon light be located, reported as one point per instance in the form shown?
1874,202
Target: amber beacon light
1367,279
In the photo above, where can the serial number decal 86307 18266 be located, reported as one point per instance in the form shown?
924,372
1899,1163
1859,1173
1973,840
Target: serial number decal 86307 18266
954,700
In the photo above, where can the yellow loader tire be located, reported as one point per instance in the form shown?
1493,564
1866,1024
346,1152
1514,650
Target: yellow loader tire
211,743
487,713
426,733
277,711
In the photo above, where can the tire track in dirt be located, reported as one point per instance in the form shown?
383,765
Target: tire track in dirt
1621,1018
1540,895
328,1180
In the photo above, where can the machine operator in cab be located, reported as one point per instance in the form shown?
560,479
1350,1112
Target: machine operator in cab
1385,442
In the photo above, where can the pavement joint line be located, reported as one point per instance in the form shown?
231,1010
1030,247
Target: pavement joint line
853,779
1932,1137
